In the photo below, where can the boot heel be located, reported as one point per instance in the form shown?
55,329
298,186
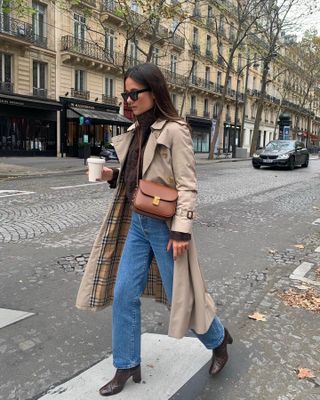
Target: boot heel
136,377
230,339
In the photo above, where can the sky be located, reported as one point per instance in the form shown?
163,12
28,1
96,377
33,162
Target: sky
308,21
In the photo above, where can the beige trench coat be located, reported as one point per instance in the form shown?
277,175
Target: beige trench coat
168,159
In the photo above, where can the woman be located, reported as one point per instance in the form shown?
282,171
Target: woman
135,254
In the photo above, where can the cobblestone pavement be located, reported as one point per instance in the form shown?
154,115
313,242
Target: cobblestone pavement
247,225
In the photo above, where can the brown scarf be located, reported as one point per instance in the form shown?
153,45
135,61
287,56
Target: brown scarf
145,121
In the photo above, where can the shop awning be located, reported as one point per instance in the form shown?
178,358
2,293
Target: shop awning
98,116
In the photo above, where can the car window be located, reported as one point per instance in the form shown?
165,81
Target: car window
277,145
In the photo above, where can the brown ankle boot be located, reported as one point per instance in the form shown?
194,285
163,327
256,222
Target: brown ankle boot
220,354
119,380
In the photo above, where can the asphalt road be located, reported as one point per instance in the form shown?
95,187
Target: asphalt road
247,224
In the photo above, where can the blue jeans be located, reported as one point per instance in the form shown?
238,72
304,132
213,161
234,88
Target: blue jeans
146,237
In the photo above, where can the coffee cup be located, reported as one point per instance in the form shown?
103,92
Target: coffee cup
95,168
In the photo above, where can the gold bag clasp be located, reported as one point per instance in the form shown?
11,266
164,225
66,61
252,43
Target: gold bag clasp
156,200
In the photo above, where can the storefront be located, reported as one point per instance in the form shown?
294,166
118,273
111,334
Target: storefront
228,137
201,133
84,123
28,126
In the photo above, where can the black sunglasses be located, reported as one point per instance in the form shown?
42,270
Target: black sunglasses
133,94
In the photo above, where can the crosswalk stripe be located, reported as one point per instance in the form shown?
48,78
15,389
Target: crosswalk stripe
8,316
167,365
9,193
75,186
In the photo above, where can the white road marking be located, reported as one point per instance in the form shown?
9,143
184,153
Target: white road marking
316,222
301,270
317,250
299,274
8,193
167,365
74,186
8,317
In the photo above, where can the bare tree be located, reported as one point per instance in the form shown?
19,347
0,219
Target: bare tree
241,16
274,24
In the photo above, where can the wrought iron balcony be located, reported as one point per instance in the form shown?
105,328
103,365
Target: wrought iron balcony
177,40
174,78
20,30
6,87
89,49
80,94
40,92
109,99
209,54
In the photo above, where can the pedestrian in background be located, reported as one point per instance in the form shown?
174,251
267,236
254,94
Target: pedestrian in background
135,254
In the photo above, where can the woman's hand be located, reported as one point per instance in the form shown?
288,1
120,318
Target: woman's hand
107,174
178,247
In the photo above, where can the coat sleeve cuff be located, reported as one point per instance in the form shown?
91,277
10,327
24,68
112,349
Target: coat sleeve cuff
181,236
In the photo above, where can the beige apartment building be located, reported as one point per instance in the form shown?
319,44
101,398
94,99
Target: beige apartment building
61,80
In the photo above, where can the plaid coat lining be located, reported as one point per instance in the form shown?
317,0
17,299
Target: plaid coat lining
116,230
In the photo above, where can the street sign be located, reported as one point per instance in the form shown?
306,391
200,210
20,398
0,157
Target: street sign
85,139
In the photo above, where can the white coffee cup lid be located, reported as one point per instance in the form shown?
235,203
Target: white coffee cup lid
94,160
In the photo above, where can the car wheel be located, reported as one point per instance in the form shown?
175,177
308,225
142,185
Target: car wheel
256,166
305,165
291,163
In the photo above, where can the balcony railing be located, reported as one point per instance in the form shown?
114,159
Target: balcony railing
174,78
20,30
177,40
40,92
80,94
209,54
6,87
89,49
109,99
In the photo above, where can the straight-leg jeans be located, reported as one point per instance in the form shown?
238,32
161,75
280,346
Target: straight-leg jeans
146,237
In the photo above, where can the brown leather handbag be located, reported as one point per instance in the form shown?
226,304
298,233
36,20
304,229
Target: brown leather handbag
153,199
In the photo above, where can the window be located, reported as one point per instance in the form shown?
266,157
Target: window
39,20
215,110
210,13
79,83
194,73
109,87
254,83
133,51
195,36
206,108
219,78
5,67
174,24
208,45
239,62
229,83
155,56
207,76
193,105
39,79
79,27
5,18
221,24
173,64
174,99
109,42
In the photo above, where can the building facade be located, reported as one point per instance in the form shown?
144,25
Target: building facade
61,75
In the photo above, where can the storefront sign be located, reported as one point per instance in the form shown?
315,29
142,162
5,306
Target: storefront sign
12,102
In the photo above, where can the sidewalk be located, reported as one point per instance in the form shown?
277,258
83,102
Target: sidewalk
40,166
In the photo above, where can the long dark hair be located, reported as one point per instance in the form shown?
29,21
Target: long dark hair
151,77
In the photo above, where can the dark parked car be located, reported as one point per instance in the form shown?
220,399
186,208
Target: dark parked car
282,153
109,153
